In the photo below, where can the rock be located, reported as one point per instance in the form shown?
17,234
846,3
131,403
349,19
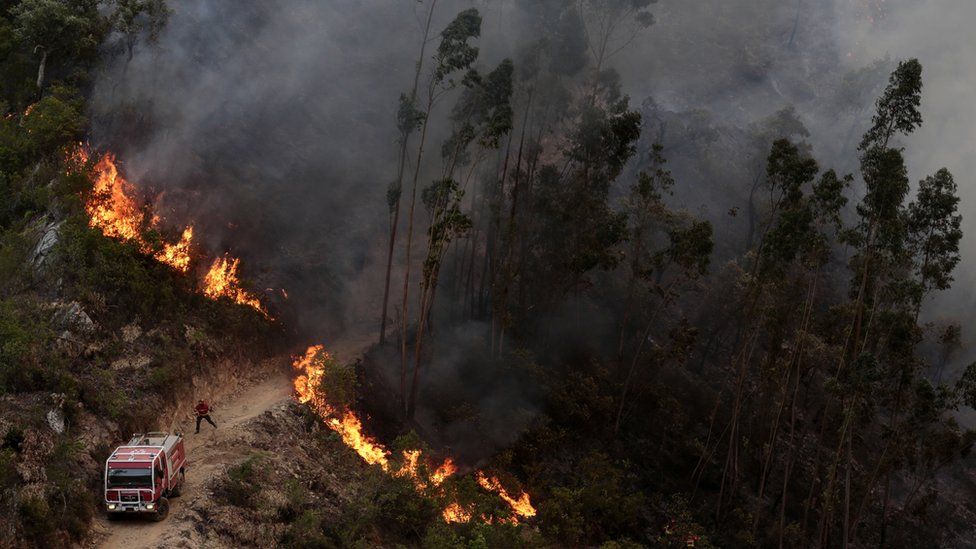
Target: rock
131,332
50,235
55,417
137,361
72,317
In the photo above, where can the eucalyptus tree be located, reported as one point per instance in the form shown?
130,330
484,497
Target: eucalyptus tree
454,56
612,25
136,18
65,28
659,238
409,119
482,116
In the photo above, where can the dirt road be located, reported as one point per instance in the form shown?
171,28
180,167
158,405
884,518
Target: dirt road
207,453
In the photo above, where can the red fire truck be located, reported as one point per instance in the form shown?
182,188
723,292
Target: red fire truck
141,475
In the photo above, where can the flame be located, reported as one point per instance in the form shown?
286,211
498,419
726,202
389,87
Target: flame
441,474
308,389
177,255
455,513
221,281
112,208
351,430
521,506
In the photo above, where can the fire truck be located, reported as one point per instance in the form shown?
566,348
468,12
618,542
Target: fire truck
143,474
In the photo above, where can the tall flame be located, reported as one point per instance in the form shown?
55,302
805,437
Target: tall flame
112,208
222,281
177,255
308,389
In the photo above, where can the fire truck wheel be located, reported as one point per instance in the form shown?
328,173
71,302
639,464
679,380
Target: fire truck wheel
178,489
162,509
114,516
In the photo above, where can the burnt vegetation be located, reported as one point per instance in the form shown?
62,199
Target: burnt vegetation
555,303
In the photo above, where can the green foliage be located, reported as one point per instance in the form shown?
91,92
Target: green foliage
296,500
897,108
476,535
409,117
135,18
107,275
338,383
240,486
27,358
595,503
933,226
100,391
35,517
307,532
66,26
56,120
388,504
62,505
681,530
454,52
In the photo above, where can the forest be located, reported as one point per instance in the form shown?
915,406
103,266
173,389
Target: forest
625,273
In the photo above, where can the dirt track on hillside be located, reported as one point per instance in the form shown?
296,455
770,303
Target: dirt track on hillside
208,454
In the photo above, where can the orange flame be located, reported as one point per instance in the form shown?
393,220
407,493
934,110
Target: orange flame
351,431
221,281
112,208
308,388
441,474
456,513
521,506
177,255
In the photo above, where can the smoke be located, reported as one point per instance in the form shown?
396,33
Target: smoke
938,33
270,126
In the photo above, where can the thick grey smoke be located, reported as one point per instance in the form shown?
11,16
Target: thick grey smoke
271,125
939,34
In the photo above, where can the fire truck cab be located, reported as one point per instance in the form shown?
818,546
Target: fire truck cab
141,475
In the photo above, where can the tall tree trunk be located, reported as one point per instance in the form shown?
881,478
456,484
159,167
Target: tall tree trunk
630,376
796,23
509,240
399,182
41,67
405,306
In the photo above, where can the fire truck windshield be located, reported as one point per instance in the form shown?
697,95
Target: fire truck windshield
129,478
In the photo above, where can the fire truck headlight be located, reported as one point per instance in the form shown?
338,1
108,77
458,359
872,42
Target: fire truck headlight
111,506
149,506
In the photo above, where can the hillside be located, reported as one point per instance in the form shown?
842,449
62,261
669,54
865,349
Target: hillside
453,273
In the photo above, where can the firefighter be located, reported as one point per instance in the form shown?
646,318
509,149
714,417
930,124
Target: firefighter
203,412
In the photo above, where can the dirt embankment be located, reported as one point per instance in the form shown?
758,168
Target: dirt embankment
254,417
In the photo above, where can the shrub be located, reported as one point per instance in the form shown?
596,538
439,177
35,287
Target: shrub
56,120
306,533
388,504
599,502
240,486
296,499
26,360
